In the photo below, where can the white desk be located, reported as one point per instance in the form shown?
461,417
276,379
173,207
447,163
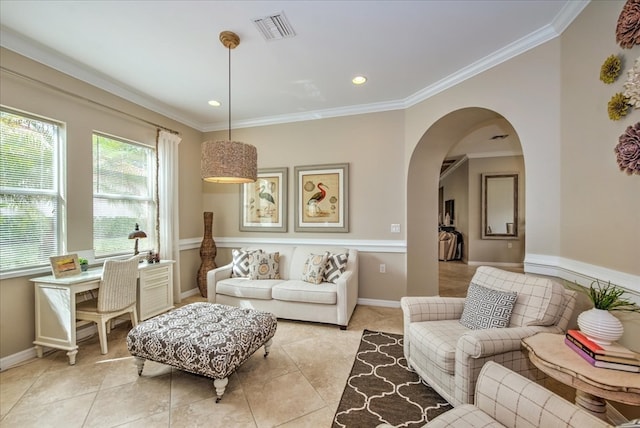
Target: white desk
55,302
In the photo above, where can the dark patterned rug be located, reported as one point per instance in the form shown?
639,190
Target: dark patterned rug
382,389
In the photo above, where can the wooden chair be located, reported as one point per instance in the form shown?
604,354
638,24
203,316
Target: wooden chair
116,297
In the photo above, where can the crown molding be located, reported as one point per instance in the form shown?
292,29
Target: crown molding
50,58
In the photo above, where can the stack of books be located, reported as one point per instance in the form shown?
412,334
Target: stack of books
613,356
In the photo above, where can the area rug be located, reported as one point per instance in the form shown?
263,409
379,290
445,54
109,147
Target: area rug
382,389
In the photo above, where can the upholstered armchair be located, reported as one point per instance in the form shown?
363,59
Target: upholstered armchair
447,346
507,400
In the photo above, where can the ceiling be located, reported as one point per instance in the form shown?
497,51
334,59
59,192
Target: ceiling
166,56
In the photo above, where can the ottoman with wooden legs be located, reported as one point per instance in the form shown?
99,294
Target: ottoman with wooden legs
207,339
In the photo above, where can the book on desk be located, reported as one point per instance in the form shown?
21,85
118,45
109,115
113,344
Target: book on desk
613,356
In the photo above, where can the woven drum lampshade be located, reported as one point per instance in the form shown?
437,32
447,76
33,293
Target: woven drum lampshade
229,162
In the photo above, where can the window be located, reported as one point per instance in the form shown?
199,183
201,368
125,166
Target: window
123,195
31,203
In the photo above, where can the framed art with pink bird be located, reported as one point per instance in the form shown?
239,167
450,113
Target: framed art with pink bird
322,198
263,204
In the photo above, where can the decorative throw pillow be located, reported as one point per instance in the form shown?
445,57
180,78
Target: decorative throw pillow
314,268
336,264
264,265
487,308
240,266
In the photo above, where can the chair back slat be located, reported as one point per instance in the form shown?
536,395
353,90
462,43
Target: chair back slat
118,286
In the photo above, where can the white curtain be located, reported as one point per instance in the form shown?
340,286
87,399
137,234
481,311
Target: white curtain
168,214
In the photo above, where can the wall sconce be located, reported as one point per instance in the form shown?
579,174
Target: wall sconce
137,234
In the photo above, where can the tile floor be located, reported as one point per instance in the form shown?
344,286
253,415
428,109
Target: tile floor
298,385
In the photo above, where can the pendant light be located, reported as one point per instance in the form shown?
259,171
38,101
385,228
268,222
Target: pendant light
229,161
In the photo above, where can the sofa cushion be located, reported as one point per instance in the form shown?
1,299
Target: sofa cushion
247,288
438,340
301,291
300,254
487,308
240,264
264,265
539,299
285,251
336,263
314,268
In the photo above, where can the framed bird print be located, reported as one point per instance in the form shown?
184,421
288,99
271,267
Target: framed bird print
322,198
263,204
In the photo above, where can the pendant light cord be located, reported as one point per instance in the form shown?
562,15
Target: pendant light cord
229,48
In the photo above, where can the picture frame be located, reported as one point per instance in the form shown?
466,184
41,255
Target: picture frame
65,265
263,204
322,198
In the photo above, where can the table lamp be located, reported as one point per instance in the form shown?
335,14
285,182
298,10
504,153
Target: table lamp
137,234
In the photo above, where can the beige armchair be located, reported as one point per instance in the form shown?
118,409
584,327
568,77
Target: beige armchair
116,297
449,355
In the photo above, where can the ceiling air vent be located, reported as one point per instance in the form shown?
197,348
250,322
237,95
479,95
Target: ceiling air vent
274,27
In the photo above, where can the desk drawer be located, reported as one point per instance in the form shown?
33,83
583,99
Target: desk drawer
155,292
153,275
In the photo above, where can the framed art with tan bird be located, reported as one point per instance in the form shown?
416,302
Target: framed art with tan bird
263,204
322,198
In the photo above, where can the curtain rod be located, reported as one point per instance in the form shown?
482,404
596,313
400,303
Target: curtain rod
71,94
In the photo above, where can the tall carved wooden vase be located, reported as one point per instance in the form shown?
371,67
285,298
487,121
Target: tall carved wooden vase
208,252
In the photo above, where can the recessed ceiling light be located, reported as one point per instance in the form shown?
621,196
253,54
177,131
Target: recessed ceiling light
359,80
214,103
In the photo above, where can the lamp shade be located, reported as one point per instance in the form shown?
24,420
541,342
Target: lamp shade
137,233
229,162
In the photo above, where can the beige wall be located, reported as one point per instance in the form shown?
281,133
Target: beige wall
81,118
464,186
526,92
596,196
495,250
372,145
551,96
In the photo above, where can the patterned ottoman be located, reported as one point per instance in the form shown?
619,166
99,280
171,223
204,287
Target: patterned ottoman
207,339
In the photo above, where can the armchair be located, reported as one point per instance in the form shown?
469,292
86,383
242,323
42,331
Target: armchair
449,355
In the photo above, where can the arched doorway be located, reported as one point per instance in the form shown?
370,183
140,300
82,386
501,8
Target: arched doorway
471,130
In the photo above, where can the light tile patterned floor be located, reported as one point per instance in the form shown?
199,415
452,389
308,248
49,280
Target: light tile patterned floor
298,385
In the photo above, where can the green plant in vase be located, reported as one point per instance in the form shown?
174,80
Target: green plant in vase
609,298
598,323
84,264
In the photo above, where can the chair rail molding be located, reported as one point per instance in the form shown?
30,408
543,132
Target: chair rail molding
363,245
582,273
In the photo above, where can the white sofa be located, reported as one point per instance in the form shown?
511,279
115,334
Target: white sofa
290,297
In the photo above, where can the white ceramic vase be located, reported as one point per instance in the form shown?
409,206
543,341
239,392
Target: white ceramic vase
600,326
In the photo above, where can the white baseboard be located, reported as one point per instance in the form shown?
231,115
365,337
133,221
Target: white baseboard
377,302
495,264
190,293
30,353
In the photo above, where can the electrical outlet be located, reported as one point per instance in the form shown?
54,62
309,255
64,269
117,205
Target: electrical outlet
383,268
395,228
509,245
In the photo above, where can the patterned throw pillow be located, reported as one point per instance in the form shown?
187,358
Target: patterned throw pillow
264,265
336,264
314,268
240,266
487,308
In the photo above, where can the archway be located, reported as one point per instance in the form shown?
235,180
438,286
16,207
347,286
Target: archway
458,127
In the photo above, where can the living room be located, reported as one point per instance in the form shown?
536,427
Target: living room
551,95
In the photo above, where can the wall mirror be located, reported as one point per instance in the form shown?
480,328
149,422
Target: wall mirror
499,206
